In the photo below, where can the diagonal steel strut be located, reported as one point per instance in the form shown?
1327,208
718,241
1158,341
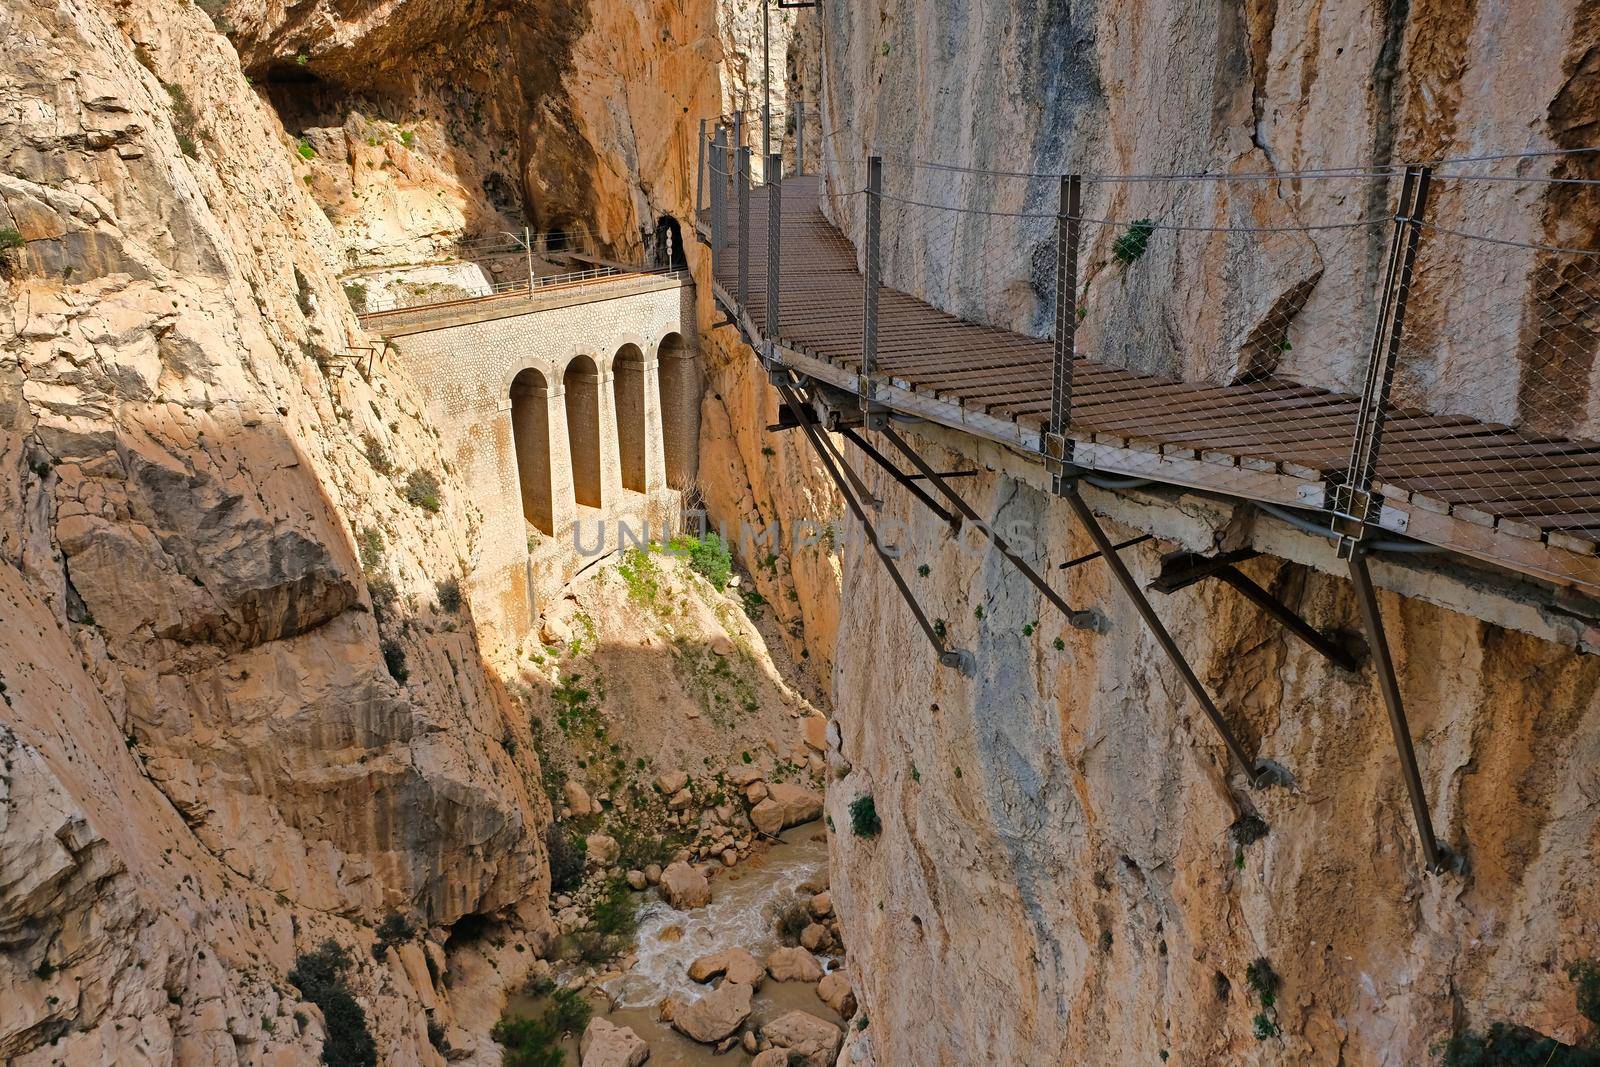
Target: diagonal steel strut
1437,857
948,657
1082,620
1141,603
954,521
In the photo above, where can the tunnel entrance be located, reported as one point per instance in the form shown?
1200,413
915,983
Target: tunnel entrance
666,245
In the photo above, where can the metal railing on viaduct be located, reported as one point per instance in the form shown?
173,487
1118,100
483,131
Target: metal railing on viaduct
1402,358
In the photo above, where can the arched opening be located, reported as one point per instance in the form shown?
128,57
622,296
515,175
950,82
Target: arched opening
679,384
556,239
627,391
581,383
666,249
530,432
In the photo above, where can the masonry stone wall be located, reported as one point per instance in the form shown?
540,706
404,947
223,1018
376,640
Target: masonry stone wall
512,388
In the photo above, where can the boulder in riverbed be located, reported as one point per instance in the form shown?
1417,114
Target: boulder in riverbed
684,887
715,1015
738,964
835,991
801,1032
773,1057
607,1045
793,965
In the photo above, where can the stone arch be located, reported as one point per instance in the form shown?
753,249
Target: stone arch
530,434
581,384
633,416
678,379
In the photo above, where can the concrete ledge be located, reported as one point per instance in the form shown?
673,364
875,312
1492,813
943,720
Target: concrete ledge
488,308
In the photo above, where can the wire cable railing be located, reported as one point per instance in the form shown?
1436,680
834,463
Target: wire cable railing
1378,344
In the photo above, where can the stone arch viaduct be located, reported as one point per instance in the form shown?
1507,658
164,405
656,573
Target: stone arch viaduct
563,414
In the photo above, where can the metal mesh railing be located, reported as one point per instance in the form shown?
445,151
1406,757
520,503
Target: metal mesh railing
1331,339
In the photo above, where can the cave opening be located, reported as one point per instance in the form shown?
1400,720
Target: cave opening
666,245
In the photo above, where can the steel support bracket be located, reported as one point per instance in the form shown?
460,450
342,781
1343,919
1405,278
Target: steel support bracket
1437,858
1056,454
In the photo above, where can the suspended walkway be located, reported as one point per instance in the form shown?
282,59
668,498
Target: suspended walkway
1213,338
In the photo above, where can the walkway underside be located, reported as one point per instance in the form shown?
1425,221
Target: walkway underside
1447,480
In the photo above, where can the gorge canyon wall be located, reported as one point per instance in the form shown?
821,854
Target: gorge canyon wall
1061,876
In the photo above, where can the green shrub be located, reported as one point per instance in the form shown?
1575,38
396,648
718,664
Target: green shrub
304,150
10,238
449,593
356,293
1133,243
568,851
395,929
320,977
369,546
422,490
569,1011
708,556
384,594
1263,1027
864,821
1585,974
394,658
617,912
529,1042
790,917
376,455
408,138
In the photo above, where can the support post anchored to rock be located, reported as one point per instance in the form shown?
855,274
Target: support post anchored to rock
1057,445
871,266
1180,570
774,235
1082,620
1257,775
948,657
1355,507
1437,857
742,178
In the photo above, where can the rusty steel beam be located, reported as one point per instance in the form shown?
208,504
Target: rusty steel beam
1152,621
1081,620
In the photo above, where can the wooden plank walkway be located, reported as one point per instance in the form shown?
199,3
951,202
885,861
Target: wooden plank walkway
1532,502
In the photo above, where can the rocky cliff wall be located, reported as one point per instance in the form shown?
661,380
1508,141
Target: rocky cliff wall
1061,869
1132,87
244,708
1069,865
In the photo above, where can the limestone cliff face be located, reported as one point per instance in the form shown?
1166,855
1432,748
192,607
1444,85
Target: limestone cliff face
1056,872
1129,87
229,733
1060,871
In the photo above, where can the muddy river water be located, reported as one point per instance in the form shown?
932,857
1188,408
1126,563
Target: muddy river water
739,916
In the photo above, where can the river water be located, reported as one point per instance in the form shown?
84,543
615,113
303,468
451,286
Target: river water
739,916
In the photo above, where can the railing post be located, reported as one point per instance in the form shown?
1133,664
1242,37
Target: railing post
774,233
870,270
700,175
527,244
1057,445
766,81
719,196
743,179
800,137
1354,508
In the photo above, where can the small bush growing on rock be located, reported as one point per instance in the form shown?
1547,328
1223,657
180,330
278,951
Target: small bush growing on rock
864,821
568,850
395,929
790,917
1132,244
376,455
304,150
436,1036
320,977
529,1042
422,490
356,293
394,658
708,556
370,547
1263,1027
449,594
617,912
1247,830
1585,974
10,238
